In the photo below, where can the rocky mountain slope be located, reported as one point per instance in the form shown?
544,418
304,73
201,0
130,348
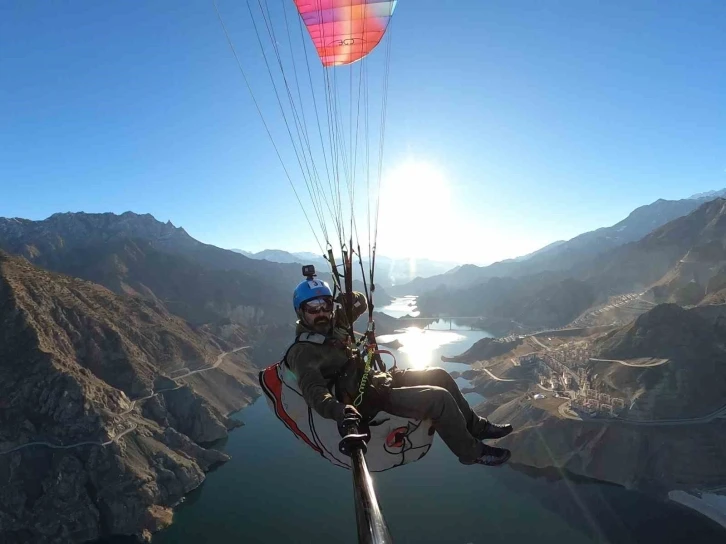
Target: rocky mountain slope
688,249
136,254
683,262
669,365
549,299
131,253
652,459
484,349
96,435
62,231
688,350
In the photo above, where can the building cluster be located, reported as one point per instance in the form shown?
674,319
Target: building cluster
560,369
564,370
592,403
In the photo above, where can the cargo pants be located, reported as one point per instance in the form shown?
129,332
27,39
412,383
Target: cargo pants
433,394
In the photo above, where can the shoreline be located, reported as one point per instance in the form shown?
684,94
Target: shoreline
708,508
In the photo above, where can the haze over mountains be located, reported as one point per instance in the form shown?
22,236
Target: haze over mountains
562,255
389,271
121,326
680,261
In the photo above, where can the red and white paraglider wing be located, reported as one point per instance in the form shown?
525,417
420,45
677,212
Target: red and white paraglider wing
344,31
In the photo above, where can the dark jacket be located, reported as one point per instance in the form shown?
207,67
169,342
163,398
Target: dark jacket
318,363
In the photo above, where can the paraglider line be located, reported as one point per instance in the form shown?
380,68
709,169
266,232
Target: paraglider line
262,118
282,109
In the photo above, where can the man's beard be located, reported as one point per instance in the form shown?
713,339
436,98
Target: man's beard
321,325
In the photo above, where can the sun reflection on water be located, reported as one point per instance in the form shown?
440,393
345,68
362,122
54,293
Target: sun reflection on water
402,306
420,345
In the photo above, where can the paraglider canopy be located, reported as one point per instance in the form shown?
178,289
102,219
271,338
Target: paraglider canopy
344,31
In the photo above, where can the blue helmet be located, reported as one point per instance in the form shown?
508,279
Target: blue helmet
308,290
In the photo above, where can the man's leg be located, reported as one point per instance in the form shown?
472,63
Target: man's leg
438,405
479,427
437,377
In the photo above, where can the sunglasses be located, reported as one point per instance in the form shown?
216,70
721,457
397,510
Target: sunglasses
318,305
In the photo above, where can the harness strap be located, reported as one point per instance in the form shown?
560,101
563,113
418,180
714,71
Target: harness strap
319,340
307,338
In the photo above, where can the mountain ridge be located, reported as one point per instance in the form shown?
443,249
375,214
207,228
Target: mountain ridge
564,255
681,261
90,371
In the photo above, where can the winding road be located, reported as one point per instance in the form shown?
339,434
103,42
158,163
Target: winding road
501,379
540,343
69,446
720,413
654,363
133,426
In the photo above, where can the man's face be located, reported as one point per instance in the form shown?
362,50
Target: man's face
317,314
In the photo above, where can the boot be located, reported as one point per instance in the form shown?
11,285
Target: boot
482,429
490,457
493,456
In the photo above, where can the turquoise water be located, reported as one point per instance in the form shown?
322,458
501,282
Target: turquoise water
275,489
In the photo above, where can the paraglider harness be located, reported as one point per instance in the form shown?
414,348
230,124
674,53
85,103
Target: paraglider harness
369,398
364,356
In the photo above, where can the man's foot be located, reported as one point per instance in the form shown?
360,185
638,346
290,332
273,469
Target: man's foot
491,457
483,429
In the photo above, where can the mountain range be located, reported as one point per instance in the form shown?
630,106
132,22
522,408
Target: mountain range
121,326
81,367
562,255
682,261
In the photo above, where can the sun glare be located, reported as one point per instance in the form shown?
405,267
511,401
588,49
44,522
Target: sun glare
420,345
415,194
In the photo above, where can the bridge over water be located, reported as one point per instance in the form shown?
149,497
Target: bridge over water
454,322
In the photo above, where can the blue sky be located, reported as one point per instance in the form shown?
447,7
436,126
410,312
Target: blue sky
540,120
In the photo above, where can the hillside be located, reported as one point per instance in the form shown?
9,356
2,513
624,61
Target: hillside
547,300
63,231
688,249
650,459
561,256
668,370
682,261
131,253
690,380
81,366
484,349
136,254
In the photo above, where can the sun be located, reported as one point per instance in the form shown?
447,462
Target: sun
415,198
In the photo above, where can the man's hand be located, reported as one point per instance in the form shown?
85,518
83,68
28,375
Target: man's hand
350,440
350,416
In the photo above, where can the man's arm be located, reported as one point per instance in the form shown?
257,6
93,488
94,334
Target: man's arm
360,305
304,362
